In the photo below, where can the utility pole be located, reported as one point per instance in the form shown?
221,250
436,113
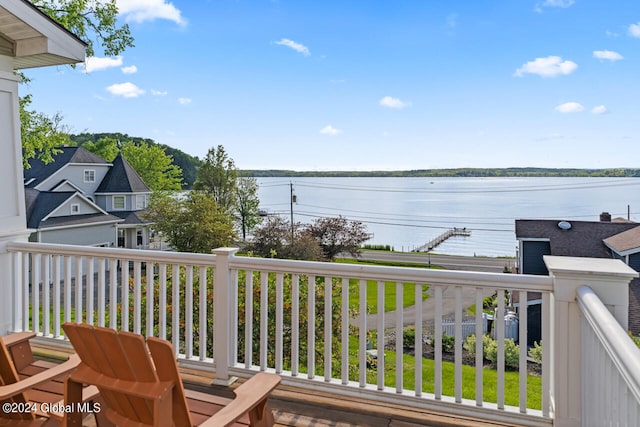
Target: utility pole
292,199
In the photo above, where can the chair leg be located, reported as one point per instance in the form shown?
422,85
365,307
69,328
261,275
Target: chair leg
73,396
261,416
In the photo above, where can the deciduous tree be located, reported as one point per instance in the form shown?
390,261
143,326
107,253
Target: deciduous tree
41,134
153,165
194,223
96,23
247,204
217,176
336,235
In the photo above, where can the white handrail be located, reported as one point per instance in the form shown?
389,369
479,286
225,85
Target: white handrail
620,348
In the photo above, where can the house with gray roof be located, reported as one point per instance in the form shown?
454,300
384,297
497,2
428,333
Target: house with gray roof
607,238
80,198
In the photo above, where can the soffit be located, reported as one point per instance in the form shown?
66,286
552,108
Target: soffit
32,39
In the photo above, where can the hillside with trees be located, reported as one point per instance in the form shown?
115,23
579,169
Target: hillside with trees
454,172
188,163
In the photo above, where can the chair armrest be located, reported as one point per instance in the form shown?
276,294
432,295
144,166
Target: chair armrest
17,338
249,395
10,390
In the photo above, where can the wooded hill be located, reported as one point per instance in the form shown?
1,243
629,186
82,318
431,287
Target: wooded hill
459,172
190,164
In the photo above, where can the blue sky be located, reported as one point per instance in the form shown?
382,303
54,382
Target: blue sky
361,85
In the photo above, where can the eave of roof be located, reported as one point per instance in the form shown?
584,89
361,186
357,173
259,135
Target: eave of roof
625,243
32,39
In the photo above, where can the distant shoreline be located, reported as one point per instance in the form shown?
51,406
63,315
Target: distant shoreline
457,172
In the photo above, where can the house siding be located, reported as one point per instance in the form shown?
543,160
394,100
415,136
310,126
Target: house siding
89,235
65,208
75,174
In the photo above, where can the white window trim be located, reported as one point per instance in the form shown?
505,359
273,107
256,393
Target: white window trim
85,175
77,208
141,198
113,203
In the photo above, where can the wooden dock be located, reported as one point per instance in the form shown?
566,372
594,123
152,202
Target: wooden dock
455,231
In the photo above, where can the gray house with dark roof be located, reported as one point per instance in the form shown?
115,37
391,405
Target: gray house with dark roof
80,198
607,238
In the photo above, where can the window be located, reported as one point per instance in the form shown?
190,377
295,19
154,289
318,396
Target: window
89,175
75,208
141,202
118,202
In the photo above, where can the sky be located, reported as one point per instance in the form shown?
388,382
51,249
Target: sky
368,85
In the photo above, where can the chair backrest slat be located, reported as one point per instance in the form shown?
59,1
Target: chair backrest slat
167,369
125,356
122,366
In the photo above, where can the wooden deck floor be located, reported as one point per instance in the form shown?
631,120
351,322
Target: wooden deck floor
294,407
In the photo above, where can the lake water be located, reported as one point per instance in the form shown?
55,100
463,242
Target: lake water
408,212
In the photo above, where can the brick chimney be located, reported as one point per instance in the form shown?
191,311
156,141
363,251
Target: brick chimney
605,217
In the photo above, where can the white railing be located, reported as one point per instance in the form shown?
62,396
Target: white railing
610,366
277,315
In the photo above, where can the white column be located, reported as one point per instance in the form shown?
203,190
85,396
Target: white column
222,316
13,224
609,279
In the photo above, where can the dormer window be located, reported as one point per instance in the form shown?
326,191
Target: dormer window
89,175
75,208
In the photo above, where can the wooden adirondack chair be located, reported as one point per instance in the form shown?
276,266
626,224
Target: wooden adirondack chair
27,384
141,385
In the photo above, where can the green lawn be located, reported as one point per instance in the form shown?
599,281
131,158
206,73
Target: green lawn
408,289
408,297
489,380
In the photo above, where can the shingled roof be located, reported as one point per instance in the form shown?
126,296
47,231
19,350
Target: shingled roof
583,239
625,243
39,171
122,178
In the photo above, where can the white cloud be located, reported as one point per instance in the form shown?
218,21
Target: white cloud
569,107
295,46
184,101
132,69
634,30
330,130
155,92
126,90
551,66
600,109
390,102
553,3
608,55
95,63
150,10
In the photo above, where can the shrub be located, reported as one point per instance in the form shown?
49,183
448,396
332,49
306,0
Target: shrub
408,337
511,352
448,343
536,352
470,344
490,350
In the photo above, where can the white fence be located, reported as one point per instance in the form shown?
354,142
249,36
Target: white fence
238,315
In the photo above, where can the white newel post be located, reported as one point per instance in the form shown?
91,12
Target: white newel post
609,279
13,223
223,315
